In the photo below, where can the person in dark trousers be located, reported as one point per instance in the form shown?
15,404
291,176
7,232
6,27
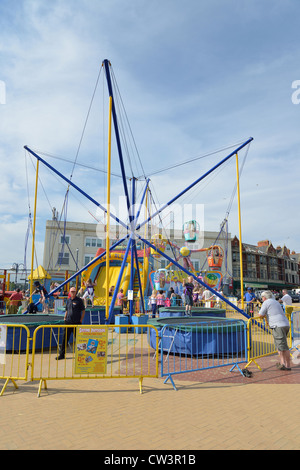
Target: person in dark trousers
74,315
188,292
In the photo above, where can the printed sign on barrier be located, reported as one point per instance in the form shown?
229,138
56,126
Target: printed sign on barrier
91,350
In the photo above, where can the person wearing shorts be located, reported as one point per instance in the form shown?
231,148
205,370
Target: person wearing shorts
279,324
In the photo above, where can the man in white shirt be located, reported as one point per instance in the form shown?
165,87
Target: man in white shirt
206,296
279,325
286,299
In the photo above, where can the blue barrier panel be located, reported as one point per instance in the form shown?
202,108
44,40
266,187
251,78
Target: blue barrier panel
203,344
295,322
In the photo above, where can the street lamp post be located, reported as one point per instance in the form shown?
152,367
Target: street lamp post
15,267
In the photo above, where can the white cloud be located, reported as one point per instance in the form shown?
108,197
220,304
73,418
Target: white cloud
192,78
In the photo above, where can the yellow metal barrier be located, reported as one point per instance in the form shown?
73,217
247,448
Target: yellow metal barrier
260,340
99,352
14,353
251,310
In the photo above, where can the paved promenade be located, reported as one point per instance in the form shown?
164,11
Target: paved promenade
210,410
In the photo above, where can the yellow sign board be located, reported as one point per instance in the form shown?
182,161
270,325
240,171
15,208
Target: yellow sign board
91,350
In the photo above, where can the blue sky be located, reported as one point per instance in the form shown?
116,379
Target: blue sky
194,76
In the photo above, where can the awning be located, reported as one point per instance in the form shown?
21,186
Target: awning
39,273
256,285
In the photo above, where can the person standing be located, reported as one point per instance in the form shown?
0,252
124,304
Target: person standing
170,292
286,299
120,299
111,291
74,315
188,292
160,300
207,296
250,298
173,300
196,296
152,303
279,325
15,301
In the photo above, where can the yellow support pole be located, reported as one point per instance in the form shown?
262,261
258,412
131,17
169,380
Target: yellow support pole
240,231
108,210
33,228
145,268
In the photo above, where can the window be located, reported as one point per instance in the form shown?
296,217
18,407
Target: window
250,258
263,274
88,258
65,239
93,242
196,265
273,261
251,273
63,258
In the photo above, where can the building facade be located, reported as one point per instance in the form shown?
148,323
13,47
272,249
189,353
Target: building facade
70,246
264,267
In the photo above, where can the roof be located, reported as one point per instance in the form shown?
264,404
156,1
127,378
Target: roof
40,273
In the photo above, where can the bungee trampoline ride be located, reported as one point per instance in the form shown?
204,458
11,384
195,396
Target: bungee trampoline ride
199,336
133,230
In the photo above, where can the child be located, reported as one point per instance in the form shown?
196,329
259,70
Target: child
152,302
173,300
196,296
89,293
160,300
39,289
120,299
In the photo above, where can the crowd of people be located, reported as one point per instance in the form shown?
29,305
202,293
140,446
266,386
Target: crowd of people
252,300
192,295
20,300
272,310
